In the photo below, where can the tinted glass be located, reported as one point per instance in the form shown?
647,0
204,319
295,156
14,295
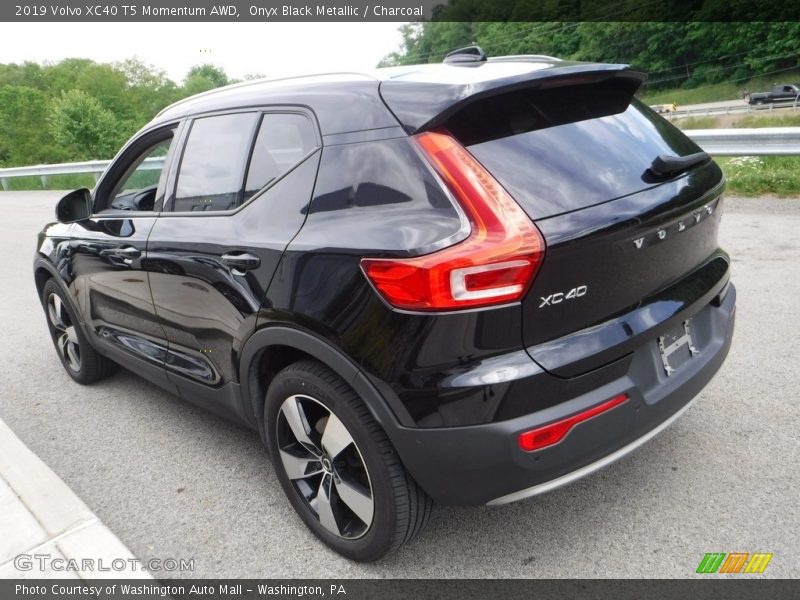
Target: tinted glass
283,139
137,190
565,149
213,164
379,195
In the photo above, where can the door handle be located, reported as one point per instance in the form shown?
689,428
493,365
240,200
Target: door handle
128,252
241,261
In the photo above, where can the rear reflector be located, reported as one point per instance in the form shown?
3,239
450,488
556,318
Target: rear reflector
495,264
547,435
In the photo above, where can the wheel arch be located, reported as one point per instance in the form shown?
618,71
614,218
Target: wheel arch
274,347
40,276
43,271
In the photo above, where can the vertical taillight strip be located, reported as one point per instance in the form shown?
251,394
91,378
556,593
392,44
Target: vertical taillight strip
494,265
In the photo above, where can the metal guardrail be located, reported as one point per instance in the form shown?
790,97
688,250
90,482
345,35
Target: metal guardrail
682,113
715,111
765,141
93,167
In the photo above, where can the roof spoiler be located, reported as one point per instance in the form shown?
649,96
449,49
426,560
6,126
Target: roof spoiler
421,105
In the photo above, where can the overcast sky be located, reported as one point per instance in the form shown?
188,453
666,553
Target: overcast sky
271,49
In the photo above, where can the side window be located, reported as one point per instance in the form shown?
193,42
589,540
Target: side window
283,139
136,189
214,159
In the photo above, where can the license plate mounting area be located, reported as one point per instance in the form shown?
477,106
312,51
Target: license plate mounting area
676,347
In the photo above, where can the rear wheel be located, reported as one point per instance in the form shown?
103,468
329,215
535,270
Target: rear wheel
337,467
80,360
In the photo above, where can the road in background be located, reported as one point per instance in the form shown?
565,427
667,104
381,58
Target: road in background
740,104
728,107
173,481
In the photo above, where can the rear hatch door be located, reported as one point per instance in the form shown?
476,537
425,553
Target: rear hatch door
575,151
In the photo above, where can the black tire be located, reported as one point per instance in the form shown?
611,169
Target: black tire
400,508
70,341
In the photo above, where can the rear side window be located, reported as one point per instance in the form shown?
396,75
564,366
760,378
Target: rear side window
213,163
283,140
226,161
565,148
381,195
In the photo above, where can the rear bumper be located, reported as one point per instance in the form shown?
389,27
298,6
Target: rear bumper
483,464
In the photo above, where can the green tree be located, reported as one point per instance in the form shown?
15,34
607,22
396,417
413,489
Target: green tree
28,74
674,54
81,125
213,74
202,78
196,85
23,140
77,109
148,89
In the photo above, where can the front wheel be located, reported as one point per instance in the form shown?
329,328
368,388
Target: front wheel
80,360
337,467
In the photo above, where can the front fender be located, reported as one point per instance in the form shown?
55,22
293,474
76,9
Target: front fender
41,264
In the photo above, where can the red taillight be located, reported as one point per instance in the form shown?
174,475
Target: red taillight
550,434
495,264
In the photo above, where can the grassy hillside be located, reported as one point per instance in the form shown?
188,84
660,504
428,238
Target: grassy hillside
720,91
762,175
755,175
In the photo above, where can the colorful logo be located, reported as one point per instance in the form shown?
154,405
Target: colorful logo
734,562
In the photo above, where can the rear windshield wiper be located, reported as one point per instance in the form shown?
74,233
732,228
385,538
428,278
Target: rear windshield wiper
666,165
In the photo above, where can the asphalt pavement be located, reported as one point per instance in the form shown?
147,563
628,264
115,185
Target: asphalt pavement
44,522
172,481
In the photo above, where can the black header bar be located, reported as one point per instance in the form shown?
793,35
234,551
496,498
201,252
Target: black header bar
397,10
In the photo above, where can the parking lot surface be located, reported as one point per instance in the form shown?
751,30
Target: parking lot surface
172,481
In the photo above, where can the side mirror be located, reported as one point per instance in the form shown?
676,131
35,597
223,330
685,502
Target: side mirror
75,206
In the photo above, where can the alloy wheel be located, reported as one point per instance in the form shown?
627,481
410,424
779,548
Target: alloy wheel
325,466
66,337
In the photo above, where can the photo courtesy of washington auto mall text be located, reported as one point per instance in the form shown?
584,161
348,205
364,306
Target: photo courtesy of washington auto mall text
154,589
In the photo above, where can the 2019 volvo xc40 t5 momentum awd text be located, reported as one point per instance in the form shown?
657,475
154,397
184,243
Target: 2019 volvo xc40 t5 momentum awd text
464,283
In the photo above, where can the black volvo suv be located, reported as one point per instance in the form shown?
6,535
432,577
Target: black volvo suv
463,283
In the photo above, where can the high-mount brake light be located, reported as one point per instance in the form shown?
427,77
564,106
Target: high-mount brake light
494,265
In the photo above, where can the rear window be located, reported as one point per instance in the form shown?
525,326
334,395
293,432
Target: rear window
283,140
565,148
